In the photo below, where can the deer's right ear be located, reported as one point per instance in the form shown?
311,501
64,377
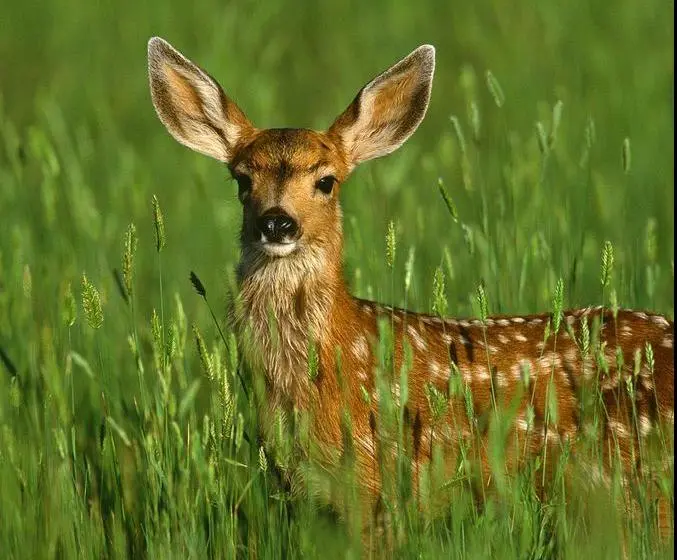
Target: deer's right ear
192,105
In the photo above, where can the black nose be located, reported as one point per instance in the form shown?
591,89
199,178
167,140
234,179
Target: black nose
276,225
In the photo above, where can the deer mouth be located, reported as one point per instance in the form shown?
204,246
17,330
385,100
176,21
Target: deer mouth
278,249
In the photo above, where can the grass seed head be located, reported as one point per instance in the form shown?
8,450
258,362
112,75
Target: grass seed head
558,305
449,203
197,284
159,222
313,361
495,89
556,120
128,259
91,304
391,244
482,305
203,353
585,337
648,353
607,263
437,401
263,461
27,282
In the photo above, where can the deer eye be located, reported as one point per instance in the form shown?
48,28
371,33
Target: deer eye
326,184
244,185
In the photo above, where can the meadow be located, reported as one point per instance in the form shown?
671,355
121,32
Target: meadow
124,428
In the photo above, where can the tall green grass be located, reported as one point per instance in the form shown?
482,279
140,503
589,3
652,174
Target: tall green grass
125,427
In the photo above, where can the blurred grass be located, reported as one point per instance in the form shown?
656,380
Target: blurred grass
94,460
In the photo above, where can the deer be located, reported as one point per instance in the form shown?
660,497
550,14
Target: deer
294,306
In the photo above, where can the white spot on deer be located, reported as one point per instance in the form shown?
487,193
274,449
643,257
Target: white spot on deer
667,342
360,348
476,323
489,322
451,322
550,361
397,318
419,343
626,330
425,320
435,369
522,424
447,338
520,337
660,321
571,354
618,428
597,475
640,314
540,346
482,374
516,369
501,381
535,321
367,308
464,324
647,383
570,319
569,435
503,339
644,425
436,320
463,340
518,320
551,436
362,375
503,322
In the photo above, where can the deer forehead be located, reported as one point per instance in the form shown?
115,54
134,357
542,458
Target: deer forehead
286,153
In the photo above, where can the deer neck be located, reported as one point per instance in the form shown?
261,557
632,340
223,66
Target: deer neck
285,305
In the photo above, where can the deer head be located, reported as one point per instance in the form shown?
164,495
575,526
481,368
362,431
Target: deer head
288,179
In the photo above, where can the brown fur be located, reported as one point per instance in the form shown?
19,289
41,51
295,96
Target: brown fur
288,302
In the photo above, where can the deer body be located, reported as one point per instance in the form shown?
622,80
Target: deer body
293,298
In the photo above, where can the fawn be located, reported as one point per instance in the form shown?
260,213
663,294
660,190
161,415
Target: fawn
292,292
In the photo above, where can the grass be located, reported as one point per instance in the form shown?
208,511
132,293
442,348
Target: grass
124,428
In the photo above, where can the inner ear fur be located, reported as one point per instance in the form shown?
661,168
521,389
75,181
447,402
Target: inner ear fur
387,111
192,105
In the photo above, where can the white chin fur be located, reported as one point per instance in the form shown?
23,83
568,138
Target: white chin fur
279,249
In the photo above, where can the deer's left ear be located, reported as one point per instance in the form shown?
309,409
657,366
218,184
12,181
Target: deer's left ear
388,109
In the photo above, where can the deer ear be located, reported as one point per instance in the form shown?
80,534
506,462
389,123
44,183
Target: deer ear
388,109
191,105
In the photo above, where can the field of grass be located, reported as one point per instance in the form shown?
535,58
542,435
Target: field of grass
550,129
